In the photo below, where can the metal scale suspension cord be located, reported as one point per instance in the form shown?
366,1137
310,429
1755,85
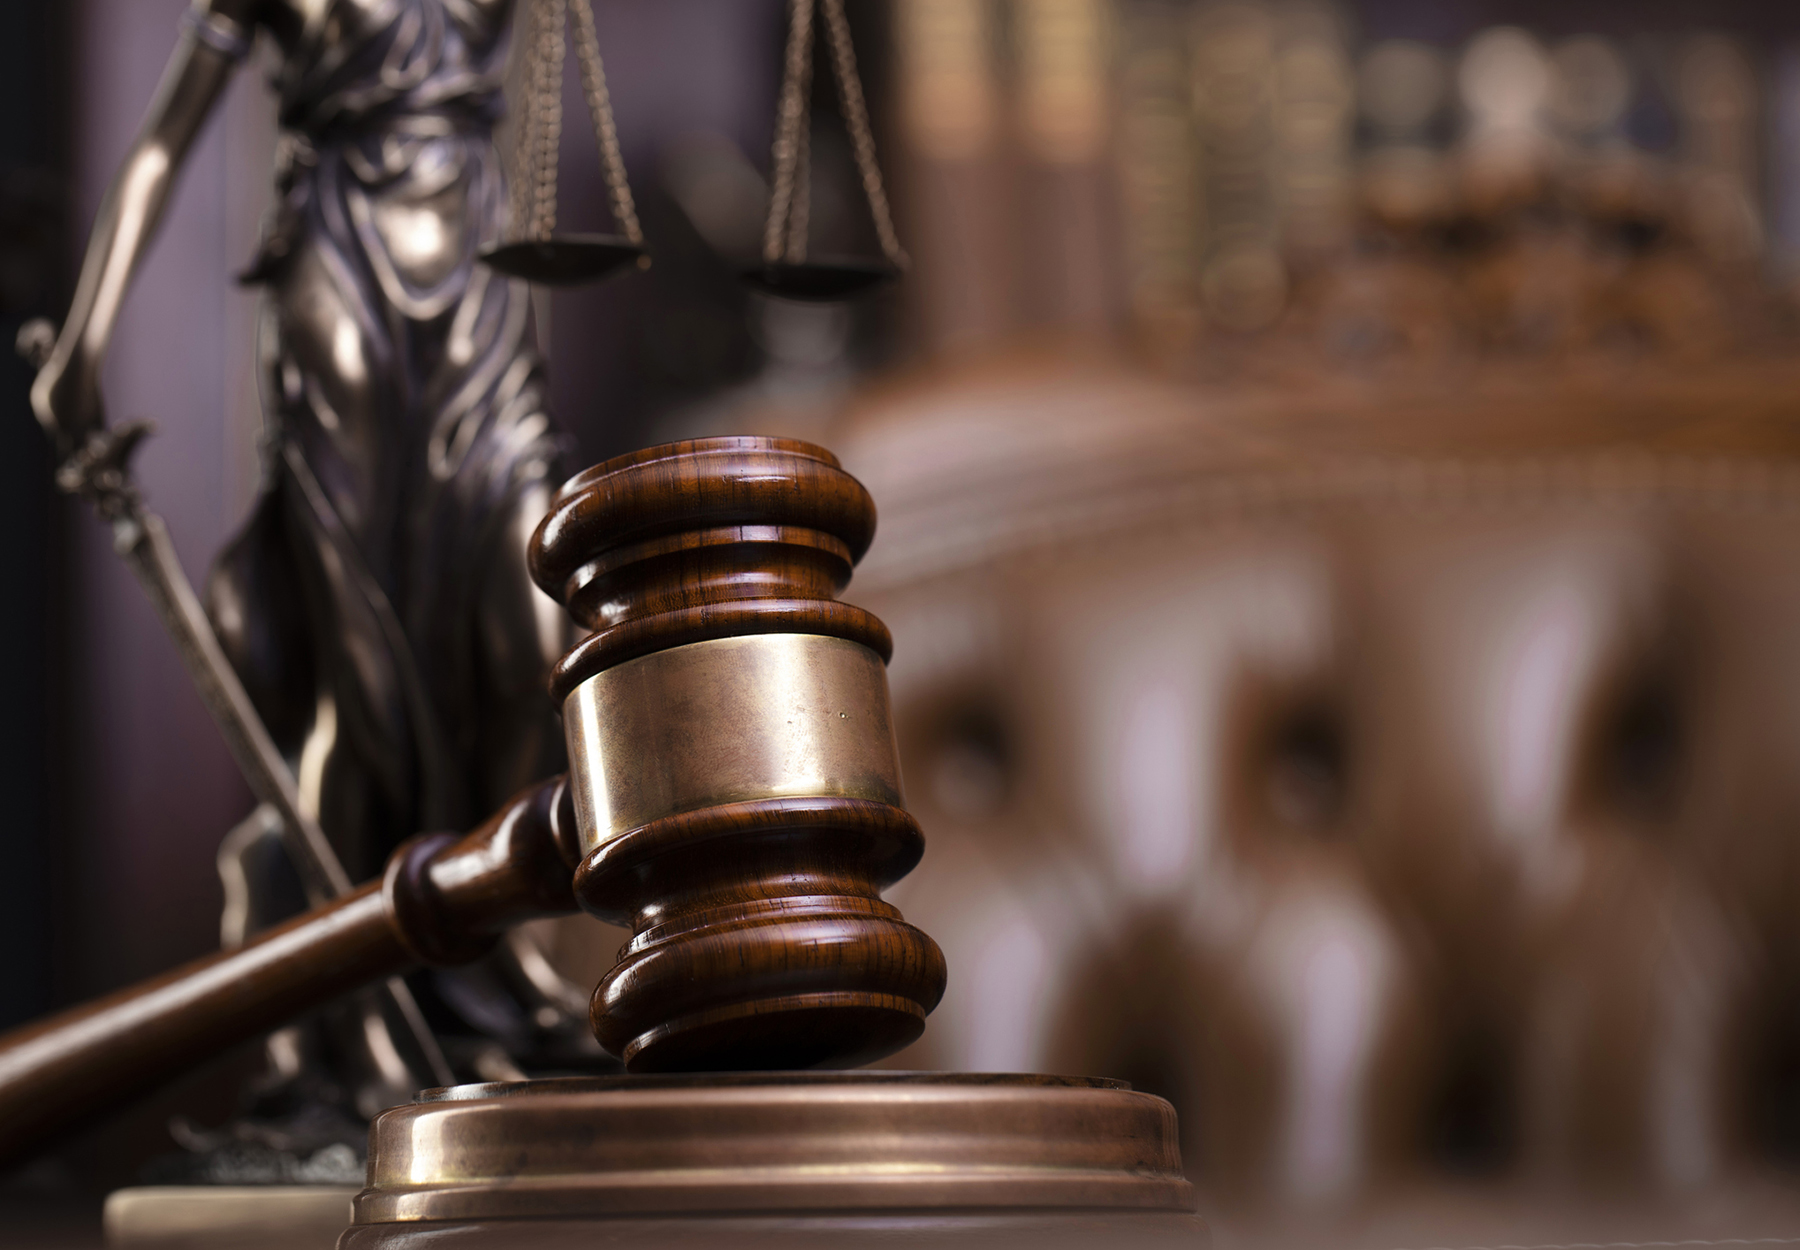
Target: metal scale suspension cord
785,269
540,254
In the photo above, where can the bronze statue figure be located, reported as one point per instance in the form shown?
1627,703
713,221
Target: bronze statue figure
376,605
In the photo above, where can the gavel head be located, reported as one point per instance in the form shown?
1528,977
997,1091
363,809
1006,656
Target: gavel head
732,762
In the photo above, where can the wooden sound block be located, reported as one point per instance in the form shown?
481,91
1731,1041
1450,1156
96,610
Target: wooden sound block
779,1159
736,786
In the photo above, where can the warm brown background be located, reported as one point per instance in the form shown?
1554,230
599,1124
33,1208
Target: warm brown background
118,787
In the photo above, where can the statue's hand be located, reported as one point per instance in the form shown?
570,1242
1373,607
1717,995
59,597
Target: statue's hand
65,400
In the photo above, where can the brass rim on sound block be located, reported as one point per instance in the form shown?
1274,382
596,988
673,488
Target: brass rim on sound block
790,1141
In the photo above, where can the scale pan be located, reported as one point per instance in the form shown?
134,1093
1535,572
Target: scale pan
820,280
565,259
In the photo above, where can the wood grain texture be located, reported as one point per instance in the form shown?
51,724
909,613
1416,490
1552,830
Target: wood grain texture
708,538
760,937
442,900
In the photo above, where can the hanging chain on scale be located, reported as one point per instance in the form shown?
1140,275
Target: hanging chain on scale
785,269
538,253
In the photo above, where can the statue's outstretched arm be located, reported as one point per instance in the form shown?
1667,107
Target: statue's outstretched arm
66,395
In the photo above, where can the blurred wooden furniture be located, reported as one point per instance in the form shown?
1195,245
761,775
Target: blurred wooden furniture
1420,737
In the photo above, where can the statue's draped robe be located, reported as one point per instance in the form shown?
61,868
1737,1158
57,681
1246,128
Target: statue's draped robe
407,422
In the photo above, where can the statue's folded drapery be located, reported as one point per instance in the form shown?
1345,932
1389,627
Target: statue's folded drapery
376,602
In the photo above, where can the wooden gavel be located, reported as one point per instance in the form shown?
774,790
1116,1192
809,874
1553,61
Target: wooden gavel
733,796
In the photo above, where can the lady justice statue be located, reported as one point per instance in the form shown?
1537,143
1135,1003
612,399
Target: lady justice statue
376,605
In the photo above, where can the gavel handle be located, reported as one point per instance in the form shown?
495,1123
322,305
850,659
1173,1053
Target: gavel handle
440,901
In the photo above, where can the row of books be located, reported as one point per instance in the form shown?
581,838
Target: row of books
1179,165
